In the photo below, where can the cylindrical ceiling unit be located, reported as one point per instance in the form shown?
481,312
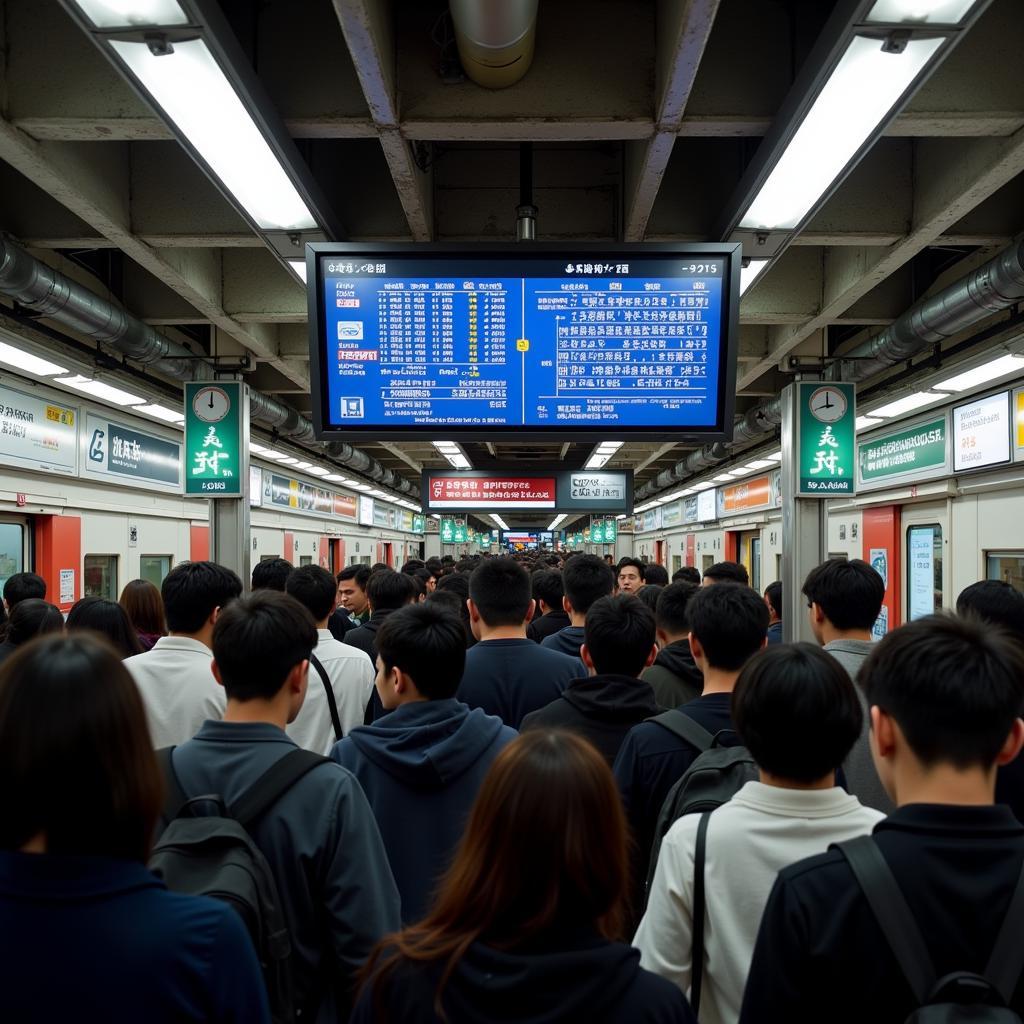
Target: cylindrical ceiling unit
495,39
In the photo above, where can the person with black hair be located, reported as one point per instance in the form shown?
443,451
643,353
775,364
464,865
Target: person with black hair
629,575
548,592
422,764
726,572
271,574
453,593
649,594
945,696
23,586
618,645
412,565
795,710
674,677
687,574
108,619
655,574
319,838
727,628
506,674
30,617
586,579
844,597
386,591
174,678
348,671
773,599
353,609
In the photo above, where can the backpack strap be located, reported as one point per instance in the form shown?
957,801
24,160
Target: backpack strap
273,784
331,701
174,796
683,726
697,943
889,906
1007,960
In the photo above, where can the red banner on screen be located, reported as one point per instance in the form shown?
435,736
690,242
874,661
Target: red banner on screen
492,492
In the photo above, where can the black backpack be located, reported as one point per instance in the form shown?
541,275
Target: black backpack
959,998
206,850
716,775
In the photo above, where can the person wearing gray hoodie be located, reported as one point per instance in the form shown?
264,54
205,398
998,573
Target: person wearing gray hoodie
422,764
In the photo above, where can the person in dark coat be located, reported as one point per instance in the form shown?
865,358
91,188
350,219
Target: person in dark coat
525,923
773,598
386,590
586,579
548,593
604,706
353,608
674,676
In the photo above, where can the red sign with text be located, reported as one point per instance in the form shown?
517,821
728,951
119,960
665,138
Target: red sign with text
492,492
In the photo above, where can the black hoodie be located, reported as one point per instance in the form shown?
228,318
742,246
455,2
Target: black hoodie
674,676
590,982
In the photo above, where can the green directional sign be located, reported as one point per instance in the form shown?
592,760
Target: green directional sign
485,540
597,533
611,531
214,423
915,450
417,524
826,432
447,531
461,533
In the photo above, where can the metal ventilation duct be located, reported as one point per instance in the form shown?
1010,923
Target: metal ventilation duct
495,39
41,288
993,287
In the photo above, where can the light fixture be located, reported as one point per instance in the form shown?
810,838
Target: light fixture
302,464
273,456
597,460
448,447
620,517
19,360
98,389
908,404
703,485
120,13
926,12
161,412
864,422
320,471
742,471
774,457
750,273
500,523
299,268
287,460
980,375
609,446
336,478
760,464
554,524
459,461
721,478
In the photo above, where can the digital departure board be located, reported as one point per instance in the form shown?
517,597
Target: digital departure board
532,340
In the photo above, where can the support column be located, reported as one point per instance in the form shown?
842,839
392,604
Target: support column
230,528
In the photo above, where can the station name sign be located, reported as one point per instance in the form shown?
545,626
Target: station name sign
573,490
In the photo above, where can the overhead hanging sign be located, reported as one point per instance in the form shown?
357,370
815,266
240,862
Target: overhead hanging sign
37,433
129,454
216,428
911,453
826,435
981,433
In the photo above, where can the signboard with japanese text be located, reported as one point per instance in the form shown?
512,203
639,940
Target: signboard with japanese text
215,461
510,489
981,433
826,437
129,454
745,497
37,433
507,491
913,453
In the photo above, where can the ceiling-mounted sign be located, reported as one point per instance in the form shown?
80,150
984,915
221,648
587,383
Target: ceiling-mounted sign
745,497
447,531
503,491
37,433
981,433
216,423
917,451
131,455
826,433
417,524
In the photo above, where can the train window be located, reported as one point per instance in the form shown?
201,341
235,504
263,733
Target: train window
706,562
100,577
1007,566
677,563
924,570
154,568
12,550
305,560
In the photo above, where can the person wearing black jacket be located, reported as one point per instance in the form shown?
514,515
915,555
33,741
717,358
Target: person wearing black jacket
944,697
353,609
386,590
548,593
586,578
674,676
617,646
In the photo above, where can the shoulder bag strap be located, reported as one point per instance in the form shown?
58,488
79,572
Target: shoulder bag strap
174,796
1007,960
683,726
331,701
699,909
889,906
273,784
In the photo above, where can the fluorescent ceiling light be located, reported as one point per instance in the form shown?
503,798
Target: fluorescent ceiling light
981,374
774,457
703,485
98,389
161,412
257,448
121,13
301,464
446,446
722,478
674,496
928,12
750,273
863,422
858,95
287,460
908,404
623,516
597,461
760,464
299,266
272,455
336,478
11,356
320,471
459,461
609,446
500,522
743,471
195,94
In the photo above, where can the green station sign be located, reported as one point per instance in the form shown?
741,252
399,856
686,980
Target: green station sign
914,450
461,533
447,531
214,421
417,524
826,434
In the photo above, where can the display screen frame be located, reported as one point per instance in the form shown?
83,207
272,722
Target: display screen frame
720,430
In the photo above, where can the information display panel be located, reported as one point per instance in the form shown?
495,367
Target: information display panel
484,342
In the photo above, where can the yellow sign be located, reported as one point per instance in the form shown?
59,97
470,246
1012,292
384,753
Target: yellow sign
55,414
522,345
1020,419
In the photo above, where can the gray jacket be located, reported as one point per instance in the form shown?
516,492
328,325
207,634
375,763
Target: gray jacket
861,777
323,847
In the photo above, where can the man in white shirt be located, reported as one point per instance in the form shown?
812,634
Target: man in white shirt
348,669
174,678
796,711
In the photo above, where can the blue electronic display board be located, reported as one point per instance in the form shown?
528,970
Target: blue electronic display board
628,341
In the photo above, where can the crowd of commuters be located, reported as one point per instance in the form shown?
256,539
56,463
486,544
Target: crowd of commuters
508,789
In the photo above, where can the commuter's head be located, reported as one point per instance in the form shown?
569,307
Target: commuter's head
107,618
944,691
421,652
797,712
618,636
586,579
687,574
670,613
726,572
23,586
499,594
649,594
412,565
630,575
261,649
994,601
271,574
845,594
387,590
435,566
352,588
727,626
655,574
379,567
773,599
451,602
77,770
144,606
315,589
548,590
31,618
195,593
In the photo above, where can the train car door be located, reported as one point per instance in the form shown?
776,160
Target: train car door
15,546
925,543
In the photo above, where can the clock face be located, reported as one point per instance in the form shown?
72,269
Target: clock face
827,405
211,404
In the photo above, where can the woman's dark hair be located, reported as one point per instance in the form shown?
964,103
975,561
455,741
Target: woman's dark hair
545,848
107,618
145,607
31,618
76,759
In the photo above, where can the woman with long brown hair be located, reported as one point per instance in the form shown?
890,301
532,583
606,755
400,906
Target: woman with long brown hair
145,608
524,924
